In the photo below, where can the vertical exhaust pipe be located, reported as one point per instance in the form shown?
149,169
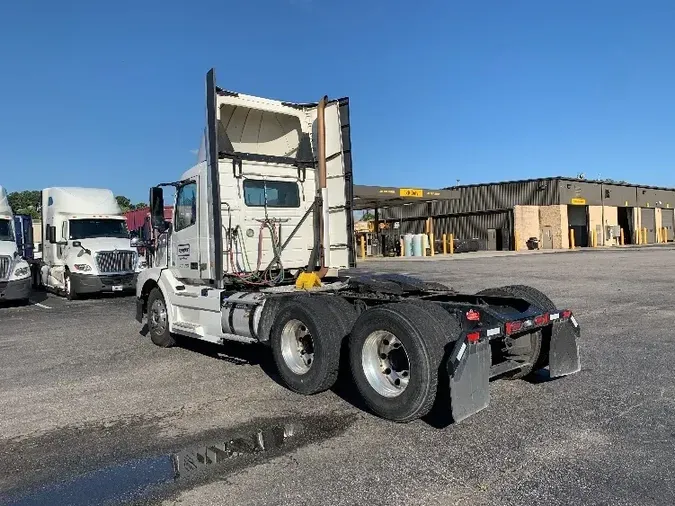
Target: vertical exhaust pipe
323,185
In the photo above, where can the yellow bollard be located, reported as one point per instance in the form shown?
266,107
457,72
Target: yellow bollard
622,238
517,238
445,244
644,236
572,238
402,242
363,246
592,239
431,244
452,244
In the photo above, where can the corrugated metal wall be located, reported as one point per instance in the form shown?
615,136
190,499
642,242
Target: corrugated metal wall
481,198
465,226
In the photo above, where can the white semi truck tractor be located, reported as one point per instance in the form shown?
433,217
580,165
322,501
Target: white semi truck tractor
15,274
259,252
86,245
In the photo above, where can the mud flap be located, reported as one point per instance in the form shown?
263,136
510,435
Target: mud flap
469,373
563,357
139,310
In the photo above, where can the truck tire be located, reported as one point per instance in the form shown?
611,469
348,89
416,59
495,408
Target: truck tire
540,340
395,353
305,340
158,320
68,287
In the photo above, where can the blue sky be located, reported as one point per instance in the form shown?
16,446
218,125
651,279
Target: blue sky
111,94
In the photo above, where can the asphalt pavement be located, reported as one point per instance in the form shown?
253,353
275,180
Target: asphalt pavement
87,400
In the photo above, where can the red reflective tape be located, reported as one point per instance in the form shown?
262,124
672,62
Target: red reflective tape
566,313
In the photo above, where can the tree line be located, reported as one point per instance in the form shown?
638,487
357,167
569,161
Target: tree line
29,202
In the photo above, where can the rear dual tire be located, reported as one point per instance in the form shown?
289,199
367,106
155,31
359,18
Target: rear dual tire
396,353
306,338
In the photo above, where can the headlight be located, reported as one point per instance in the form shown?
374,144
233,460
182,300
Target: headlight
82,267
21,271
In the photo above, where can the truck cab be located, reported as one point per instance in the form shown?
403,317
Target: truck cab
262,233
15,274
86,245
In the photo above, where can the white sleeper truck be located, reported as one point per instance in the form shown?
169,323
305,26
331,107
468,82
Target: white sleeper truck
15,276
86,245
259,252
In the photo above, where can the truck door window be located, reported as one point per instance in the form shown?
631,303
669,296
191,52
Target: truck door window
186,207
6,232
277,193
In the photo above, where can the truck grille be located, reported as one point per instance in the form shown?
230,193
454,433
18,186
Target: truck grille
5,264
115,261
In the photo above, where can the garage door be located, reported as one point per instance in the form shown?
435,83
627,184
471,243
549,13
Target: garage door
667,221
649,222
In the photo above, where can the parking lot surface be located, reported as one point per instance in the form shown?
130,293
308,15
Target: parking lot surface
82,389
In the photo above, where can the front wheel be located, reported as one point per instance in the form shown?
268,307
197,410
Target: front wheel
158,320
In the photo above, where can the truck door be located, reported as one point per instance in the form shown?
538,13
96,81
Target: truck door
185,236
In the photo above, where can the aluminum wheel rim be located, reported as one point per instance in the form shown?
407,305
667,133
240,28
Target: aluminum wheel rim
158,317
385,363
297,347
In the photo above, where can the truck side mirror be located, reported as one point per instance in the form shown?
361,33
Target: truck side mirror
157,208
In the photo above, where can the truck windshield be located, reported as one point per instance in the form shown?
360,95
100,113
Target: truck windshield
90,228
6,230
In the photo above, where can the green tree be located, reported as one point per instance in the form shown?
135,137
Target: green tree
368,216
26,202
124,203
140,205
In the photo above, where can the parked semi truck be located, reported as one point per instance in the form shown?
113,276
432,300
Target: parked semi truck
260,249
15,275
86,244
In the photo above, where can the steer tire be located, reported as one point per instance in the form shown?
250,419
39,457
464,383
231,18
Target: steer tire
326,336
423,339
159,334
540,340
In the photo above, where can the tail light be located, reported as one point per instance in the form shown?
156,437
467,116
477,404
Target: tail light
473,337
541,320
566,313
512,327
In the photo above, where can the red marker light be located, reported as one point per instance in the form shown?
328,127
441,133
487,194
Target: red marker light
566,313
473,337
472,315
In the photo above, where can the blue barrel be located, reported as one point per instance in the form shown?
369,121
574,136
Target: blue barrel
407,245
417,245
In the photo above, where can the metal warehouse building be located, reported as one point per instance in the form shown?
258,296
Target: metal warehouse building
499,214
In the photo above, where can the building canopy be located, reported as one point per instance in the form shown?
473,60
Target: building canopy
377,197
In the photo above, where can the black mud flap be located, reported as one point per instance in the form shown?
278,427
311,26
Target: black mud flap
469,373
563,357
139,310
